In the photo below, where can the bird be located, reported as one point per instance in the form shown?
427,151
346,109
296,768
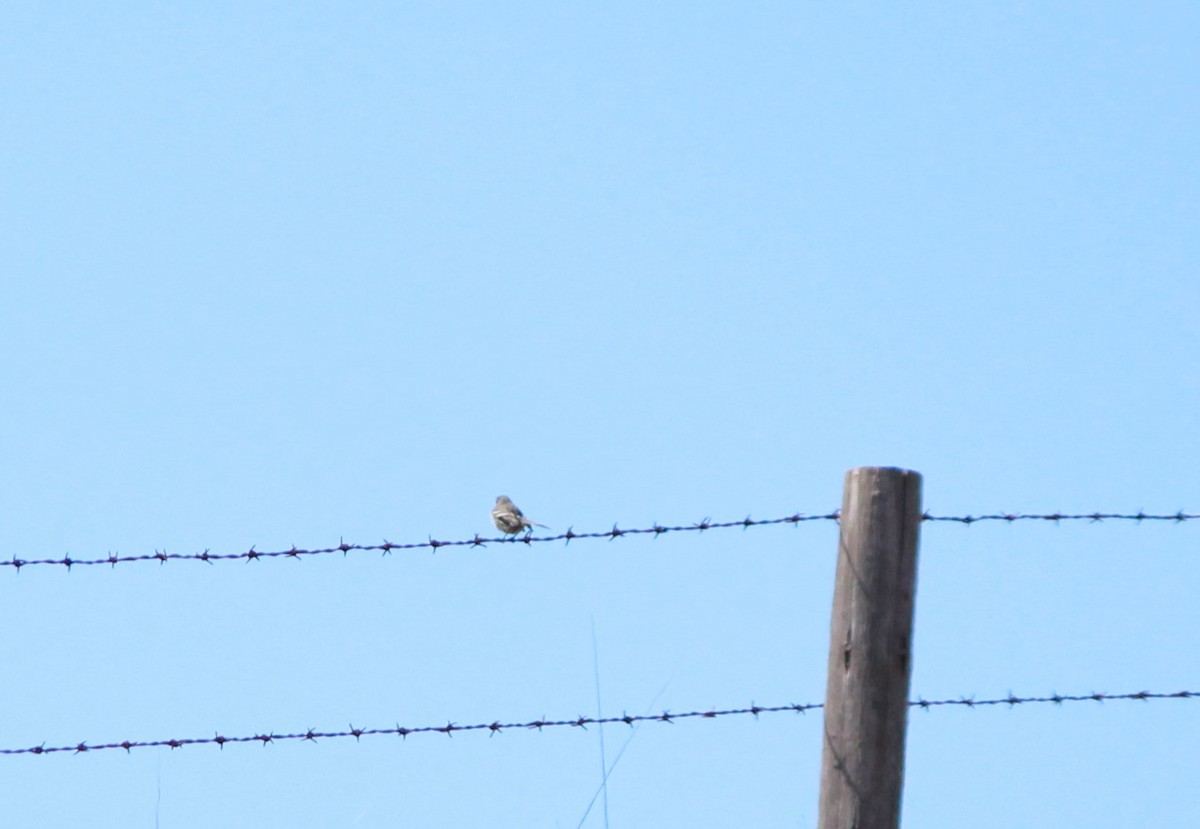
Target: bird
508,517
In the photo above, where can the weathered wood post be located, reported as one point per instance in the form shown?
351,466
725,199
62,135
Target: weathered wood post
870,650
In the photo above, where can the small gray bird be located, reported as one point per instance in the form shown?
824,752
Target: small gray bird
508,517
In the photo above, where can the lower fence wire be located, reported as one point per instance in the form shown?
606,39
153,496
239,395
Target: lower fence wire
497,727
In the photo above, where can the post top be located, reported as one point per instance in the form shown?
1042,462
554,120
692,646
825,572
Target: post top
878,470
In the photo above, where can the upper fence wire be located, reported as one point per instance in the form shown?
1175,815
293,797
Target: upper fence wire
385,547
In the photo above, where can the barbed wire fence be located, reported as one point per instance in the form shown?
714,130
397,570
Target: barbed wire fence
495,727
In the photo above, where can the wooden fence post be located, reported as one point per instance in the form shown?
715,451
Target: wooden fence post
870,650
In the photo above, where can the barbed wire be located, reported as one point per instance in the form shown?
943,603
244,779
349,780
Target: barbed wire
496,727
431,544
1092,517
162,556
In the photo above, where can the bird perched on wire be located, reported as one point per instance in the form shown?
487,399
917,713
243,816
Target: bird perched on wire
508,517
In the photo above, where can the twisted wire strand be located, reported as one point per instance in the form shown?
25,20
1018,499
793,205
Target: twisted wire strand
162,556
1055,517
432,544
496,727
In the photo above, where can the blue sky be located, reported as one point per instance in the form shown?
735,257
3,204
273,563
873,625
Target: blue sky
285,274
